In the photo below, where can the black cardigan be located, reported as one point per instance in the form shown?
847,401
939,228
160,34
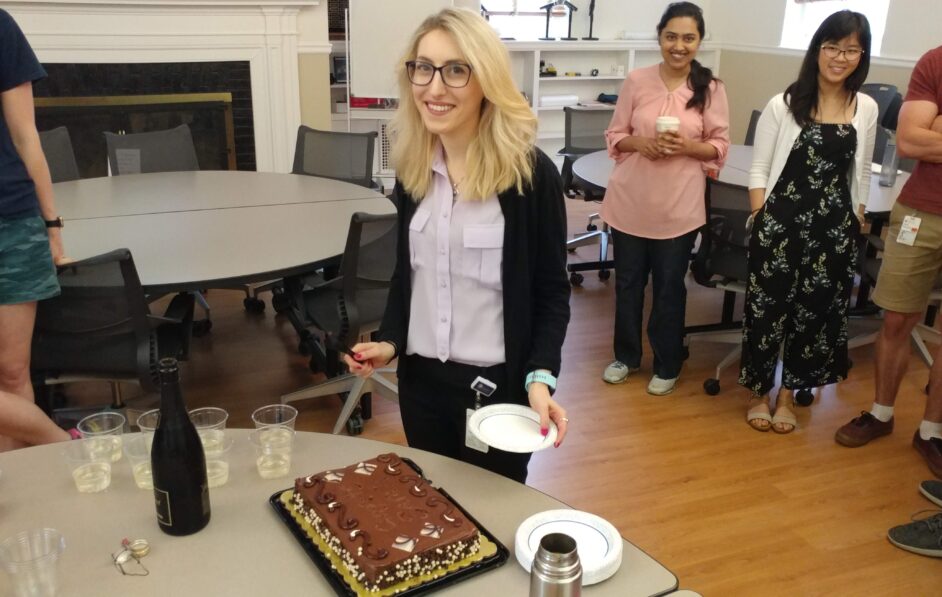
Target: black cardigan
533,272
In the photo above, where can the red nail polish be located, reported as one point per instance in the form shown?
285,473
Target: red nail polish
358,356
544,431
556,445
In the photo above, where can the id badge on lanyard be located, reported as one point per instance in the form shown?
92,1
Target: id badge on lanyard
485,387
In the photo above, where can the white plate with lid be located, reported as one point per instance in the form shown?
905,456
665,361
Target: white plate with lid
598,543
511,428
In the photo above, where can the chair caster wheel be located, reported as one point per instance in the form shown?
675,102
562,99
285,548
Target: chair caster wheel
355,424
804,397
366,407
202,327
280,303
591,227
604,274
253,305
711,386
575,278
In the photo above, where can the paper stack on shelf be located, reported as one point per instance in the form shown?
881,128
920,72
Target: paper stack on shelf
559,100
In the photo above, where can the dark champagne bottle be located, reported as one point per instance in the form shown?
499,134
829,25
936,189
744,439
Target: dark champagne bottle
181,490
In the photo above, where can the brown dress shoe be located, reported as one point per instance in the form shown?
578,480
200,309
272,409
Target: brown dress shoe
931,450
862,430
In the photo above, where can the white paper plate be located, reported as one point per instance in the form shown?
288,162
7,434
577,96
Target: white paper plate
597,541
511,428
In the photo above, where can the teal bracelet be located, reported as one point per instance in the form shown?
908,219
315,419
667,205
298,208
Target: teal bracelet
542,377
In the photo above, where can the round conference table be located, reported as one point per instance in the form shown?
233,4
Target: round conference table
596,168
246,549
211,229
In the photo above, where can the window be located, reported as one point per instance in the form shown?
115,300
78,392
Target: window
523,19
802,18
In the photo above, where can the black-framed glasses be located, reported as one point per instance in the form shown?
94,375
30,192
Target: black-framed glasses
851,54
454,74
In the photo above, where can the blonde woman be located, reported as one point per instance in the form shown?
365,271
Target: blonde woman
480,288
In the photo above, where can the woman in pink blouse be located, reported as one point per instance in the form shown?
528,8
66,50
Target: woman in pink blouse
655,198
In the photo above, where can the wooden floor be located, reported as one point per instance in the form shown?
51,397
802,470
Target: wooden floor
729,510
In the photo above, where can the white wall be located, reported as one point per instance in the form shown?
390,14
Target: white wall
912,26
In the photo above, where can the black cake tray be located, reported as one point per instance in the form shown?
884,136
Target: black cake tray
341,587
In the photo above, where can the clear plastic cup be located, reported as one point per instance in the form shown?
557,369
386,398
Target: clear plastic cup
103,430
217,463
137,449
273,447
209,417
275,414
148,420
210,423
31,558
89,464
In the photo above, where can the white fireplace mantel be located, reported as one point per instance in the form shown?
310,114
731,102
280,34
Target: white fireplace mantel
262,32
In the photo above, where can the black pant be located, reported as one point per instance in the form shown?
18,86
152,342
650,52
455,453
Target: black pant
433,398
666,261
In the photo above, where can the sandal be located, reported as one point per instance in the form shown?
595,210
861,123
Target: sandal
784,418
759,412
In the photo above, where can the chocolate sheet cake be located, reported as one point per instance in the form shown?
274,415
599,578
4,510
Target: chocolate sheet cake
384,521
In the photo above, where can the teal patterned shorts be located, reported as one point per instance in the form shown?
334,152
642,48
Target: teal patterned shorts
26,270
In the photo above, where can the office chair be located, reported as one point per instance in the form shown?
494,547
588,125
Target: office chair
338,155
171,150
886,97
57,146
348,307
721,262
883,94
751,129
100,328
585,134
887,128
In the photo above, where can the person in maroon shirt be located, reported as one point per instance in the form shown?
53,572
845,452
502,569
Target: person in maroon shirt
911,265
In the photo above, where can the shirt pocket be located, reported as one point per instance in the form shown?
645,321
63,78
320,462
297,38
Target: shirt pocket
418,243
482,256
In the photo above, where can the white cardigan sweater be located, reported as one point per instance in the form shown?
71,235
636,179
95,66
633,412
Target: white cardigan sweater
776,133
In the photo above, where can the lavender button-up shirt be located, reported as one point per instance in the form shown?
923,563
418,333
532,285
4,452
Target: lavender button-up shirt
456,250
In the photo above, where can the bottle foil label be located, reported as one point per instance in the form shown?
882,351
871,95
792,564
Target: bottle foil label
162,499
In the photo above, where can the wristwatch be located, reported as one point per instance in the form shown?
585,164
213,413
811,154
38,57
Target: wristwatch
543,377
57,222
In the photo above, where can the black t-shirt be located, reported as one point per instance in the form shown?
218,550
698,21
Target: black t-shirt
18,65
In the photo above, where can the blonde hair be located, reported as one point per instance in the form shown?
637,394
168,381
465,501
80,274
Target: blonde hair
500,155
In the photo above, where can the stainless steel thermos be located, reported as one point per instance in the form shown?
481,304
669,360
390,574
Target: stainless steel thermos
556,571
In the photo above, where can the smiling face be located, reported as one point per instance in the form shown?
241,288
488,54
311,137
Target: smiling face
446,111
836,70
679,41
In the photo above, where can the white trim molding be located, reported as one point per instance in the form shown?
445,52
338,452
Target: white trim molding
779,51
261,32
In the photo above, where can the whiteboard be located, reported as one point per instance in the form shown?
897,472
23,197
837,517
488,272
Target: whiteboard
379,32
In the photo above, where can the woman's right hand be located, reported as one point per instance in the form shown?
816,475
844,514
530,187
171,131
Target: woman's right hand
649,148
369,356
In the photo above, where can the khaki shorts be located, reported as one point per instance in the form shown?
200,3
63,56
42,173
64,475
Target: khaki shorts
909,273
